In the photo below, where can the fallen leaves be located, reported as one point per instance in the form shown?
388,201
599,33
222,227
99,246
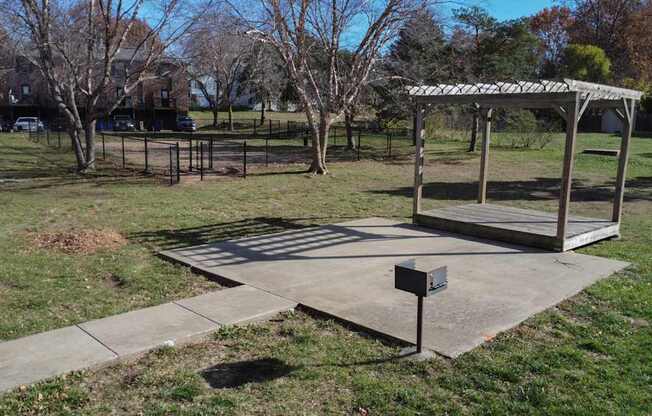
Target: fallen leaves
78,241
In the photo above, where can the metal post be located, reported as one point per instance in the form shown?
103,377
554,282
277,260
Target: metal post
178,165
334,135
146,156
419,323
387,143
390,145
244,158
270,128
359,144
171,177
47,135
201,161
255,130
210,153
190,155
103,148
123,152
59,138
266,152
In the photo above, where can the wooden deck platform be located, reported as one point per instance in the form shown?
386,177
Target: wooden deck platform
518,226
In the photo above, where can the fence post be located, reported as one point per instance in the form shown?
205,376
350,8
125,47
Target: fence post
123,152
255,130
103,148
244,158
390,145
270,128
171,173
210,153
47,135
178,165
146,156
359,143
59,138
386,142
334,135
201,161
190,155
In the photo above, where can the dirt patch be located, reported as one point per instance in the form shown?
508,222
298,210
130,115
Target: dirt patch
78,241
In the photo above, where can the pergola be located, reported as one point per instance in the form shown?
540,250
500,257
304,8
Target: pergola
570,98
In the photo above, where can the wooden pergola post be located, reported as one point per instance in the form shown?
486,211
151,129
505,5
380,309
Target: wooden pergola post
485,116
628,117
571,111
418,160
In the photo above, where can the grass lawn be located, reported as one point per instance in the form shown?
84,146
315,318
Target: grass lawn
207,116
590,355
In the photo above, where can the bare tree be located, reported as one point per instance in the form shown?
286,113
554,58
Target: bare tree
218,51
264,76
203,82
86,50
310,36
7,63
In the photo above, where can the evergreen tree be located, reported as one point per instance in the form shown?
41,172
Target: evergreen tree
420,55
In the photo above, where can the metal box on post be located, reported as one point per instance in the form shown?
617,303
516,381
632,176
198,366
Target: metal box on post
409,278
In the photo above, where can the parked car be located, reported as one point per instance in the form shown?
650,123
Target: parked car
28,124
123,123
186,123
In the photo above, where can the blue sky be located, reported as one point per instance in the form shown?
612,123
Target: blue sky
508,9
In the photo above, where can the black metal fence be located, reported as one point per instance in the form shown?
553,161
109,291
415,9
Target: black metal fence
176,156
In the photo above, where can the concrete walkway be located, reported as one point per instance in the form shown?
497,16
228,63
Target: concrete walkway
33,358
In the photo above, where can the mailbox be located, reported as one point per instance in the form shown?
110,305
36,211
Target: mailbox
408,277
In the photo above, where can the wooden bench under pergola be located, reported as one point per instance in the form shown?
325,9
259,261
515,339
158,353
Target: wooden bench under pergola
570,99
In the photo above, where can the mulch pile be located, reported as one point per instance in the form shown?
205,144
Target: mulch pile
78,242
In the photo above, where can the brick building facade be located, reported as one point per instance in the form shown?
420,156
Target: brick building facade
154,103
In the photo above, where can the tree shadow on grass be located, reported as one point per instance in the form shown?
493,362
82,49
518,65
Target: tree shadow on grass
236,374
260,370
538,189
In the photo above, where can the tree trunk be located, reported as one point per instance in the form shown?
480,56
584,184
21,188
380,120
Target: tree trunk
262,112
214,109
230,117
89,134
319,146
348,125
75,140
474,132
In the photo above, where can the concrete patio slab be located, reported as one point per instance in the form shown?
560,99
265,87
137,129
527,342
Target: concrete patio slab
346,270
238,305
145,329
30,359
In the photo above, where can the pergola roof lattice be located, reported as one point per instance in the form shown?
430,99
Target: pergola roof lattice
541,91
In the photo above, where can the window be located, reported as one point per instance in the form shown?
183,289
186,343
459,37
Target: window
25,90
165,98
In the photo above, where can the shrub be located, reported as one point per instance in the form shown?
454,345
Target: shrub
523,130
